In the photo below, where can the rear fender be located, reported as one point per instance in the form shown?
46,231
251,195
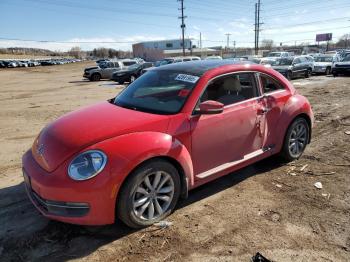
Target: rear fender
297,105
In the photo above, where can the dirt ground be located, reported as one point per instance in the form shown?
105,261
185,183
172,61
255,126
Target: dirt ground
270,207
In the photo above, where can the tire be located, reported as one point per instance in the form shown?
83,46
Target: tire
121,82
308,73
289,75
328,71
291,151
137,191
335,74
95,77
132,78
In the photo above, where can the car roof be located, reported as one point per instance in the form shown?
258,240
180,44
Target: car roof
199,67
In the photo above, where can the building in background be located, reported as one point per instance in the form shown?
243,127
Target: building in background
154,50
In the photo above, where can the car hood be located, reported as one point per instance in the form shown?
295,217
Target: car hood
281,67
124,71
90,68
343,63
322,63
75,131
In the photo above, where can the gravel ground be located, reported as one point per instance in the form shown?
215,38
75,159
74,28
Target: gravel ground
269,207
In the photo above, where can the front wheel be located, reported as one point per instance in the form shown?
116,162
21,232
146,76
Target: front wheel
149,194
95,77
328,71
308,73
289,75
296,139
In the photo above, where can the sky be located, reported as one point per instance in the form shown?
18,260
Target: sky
62,24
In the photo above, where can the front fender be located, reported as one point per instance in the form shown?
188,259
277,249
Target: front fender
295,106
132,149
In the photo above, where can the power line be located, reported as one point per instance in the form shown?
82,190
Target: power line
68,42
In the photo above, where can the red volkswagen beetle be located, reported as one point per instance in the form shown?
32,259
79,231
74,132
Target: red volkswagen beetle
175,128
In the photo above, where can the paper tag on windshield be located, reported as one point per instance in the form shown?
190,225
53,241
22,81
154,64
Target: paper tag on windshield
187,78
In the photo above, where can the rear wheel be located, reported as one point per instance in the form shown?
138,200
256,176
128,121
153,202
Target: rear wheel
95,77
132,78
289,75
149,194
328,71
296,139
308,73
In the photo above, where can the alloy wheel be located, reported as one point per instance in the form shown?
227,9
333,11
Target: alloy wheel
298,140
153,196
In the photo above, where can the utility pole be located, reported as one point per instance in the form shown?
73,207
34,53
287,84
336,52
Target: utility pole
255,29
182,17
234,47
257,26
228,40
200,43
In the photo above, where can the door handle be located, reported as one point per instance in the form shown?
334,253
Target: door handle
263,110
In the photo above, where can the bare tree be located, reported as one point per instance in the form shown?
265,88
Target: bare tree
75,52
344,41
267,44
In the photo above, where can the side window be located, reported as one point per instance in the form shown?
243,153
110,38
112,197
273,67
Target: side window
110,65
116,64
297,61
269,84
231,89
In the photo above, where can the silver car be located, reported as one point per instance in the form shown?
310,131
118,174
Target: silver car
323,63
105,69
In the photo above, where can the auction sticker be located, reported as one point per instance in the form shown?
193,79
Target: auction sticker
187,78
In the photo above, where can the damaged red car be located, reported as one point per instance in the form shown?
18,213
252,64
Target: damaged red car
175,128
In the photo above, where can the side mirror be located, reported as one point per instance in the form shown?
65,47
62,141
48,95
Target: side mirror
210,107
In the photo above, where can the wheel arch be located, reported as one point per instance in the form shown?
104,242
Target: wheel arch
308,120
296,106
96,73
171,160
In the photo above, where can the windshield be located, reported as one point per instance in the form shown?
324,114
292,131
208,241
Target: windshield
134,67
347,58
158,91
323,59
274,55
268,62
164,62
129,63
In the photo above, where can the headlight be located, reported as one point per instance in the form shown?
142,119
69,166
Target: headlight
87,165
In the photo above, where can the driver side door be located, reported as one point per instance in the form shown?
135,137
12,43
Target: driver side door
221,140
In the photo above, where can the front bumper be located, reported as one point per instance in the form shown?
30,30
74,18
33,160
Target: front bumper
341,70
86,75
320,70
122,78
56,196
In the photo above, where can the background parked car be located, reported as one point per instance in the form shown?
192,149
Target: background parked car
105,70
12,64
342,67
293,67
323,63
131,73
278,55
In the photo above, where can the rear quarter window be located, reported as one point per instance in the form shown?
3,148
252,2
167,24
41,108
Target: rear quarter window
270,84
